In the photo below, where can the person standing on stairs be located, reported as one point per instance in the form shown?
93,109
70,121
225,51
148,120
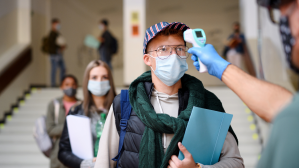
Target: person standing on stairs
57,45
106,47
236,44
54,122
99,92
271,102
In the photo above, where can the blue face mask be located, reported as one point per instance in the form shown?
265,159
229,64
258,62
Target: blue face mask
170,70
98,88
58,26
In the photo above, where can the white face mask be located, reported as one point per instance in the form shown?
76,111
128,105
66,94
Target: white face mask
101,27
98,88
170,70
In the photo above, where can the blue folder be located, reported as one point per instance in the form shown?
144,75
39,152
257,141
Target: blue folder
205,134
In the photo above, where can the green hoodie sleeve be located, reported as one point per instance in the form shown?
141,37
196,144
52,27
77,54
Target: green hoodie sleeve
53,129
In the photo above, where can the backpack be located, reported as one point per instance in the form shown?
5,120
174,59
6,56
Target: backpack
43,140
126,110
45,45
114,45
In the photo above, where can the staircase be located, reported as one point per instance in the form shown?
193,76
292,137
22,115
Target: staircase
242,124
17,145
19,150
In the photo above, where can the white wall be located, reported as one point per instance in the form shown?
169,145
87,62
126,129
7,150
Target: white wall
14,23
133,44
248,14
8,24
24,21
34,73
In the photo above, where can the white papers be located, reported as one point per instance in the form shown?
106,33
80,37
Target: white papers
80,136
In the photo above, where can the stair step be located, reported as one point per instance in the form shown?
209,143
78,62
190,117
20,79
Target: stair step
27,159
16,138
12,148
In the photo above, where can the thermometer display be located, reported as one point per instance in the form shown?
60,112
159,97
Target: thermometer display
198,39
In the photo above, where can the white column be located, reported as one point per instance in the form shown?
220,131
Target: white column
134,28
248,12
24,21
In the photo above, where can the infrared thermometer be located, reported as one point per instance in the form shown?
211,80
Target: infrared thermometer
198,39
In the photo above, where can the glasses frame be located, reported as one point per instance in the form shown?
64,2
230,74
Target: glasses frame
289,11
172,47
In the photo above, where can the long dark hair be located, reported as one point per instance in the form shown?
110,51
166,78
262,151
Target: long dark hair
86,93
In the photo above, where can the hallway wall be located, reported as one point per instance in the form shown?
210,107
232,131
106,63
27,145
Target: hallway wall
34,73
80,18
8,24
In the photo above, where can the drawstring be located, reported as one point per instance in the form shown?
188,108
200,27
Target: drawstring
163,113
159,103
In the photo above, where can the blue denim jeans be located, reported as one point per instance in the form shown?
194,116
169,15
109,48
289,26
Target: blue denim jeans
56,61
106,56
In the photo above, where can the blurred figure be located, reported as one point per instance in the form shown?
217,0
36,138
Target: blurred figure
108,45
271,102
235,46
57,110
99,92
56,46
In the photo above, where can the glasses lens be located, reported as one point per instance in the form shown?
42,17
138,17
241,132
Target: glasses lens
182,51
164,52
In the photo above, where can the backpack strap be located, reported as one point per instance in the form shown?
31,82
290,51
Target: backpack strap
126,110
56,110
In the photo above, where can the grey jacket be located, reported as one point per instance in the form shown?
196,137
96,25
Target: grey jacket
54,130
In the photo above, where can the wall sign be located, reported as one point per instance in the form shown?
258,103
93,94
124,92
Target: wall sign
135,23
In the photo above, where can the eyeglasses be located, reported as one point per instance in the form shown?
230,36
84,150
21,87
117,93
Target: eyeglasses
275,15
163,52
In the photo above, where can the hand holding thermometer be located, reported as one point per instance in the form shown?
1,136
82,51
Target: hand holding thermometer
198,38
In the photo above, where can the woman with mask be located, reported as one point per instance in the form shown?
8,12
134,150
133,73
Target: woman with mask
57,110
99,92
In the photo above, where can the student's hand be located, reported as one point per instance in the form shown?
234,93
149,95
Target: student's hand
101,39
188,161
94,159
210,58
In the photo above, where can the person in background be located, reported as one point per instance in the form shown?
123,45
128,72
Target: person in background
235,46
57,110
56,48
271,102
106,38
99,92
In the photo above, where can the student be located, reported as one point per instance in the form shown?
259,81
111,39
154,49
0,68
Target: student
99,92
60,106
56,48
236,44
106,39
162,100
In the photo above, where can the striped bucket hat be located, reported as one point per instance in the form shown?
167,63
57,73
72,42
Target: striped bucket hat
152,31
